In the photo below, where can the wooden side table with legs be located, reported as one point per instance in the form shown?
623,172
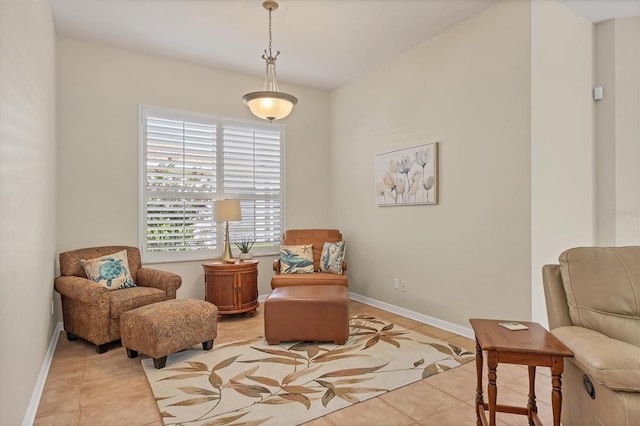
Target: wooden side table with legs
534,347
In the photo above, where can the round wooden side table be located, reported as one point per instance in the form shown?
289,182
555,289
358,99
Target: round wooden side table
232,287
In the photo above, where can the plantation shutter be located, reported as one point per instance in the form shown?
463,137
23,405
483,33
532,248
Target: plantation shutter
187,161
179,183
252,173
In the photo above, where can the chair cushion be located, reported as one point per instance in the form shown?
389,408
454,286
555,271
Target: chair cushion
296,259
131,298
612,363
602,285
332,257
319,278
110,271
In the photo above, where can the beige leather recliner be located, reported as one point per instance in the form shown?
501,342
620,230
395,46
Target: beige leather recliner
593,307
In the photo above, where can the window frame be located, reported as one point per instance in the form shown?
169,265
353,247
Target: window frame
219,193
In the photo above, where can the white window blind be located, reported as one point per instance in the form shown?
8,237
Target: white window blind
252,173
187,162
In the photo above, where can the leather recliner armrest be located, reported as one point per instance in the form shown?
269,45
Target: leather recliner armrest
613,363
555,297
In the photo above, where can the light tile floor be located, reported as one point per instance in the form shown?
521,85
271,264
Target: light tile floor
84,388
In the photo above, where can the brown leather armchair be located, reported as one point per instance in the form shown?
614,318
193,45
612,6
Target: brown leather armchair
593,306
316,237
92,312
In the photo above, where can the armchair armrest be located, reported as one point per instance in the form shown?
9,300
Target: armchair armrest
613,363
81,289
163,280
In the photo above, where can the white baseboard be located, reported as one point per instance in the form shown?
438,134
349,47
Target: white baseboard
416,316
32,409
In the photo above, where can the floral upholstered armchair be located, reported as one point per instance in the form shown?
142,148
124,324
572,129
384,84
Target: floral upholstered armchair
91,308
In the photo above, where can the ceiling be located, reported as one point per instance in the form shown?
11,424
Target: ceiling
324,43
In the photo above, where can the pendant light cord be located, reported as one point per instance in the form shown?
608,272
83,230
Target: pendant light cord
269,32
269,56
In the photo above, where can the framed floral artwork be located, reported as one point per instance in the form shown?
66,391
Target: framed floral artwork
407,176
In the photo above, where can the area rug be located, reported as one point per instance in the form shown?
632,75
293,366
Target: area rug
252,383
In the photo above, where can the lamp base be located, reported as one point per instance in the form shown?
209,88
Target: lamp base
227,257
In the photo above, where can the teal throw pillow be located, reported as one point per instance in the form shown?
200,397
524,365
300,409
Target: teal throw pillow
296,259
332,257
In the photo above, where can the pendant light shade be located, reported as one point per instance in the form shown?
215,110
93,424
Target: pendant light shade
270,104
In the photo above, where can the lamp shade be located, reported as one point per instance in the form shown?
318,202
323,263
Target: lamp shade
227,210
270,105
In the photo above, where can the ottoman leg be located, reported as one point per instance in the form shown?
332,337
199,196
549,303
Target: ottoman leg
160,362
207,345
102,348
131,353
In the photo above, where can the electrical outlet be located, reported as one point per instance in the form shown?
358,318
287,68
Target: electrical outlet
403,284
396,283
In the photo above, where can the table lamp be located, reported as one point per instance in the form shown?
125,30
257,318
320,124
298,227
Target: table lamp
225,211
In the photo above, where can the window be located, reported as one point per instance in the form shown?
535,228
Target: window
186,162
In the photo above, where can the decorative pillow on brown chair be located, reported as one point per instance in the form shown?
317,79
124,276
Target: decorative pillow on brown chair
110,271
296,259
332,257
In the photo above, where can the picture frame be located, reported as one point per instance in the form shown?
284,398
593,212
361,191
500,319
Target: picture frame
407,176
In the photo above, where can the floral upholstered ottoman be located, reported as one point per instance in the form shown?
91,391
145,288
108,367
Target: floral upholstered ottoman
163,328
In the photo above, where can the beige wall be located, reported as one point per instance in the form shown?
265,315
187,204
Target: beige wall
617,44
100,89
27,199
562,139
469,89
605,116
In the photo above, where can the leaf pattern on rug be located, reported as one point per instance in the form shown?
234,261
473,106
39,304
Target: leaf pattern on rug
236,384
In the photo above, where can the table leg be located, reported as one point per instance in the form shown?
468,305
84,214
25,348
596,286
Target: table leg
492,363
557,368
479,394
533,408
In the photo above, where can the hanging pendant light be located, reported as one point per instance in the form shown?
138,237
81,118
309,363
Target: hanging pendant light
270,104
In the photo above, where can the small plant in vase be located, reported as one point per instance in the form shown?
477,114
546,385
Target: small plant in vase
244,245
